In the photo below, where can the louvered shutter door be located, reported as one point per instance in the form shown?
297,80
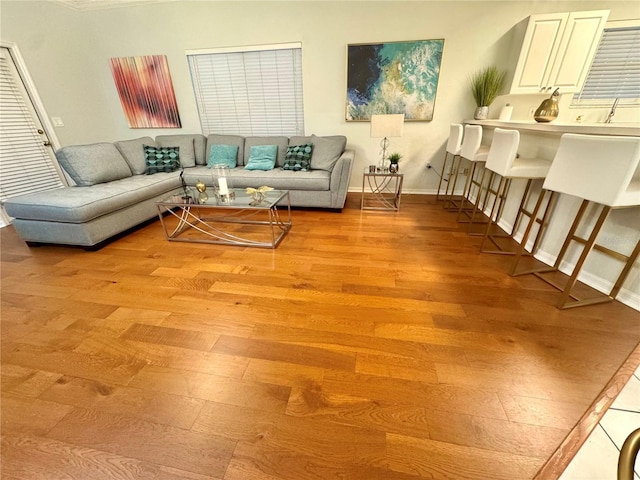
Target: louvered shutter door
25,165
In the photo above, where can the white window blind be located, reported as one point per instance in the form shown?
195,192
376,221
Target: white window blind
25,165
615,71
253,92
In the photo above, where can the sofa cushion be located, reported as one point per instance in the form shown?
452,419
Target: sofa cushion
326,150
262,157
280,142
83,204
133,153
223,155
298,157
184,143
214,139
161,159
313,180
91,164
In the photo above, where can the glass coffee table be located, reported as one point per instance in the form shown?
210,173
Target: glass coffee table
240,223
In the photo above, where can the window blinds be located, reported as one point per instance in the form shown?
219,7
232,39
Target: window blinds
25,165
615,71
255,92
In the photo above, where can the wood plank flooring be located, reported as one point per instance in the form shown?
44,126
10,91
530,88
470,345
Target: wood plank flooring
367,346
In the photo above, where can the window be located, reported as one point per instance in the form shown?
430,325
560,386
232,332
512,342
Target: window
615,71
256,91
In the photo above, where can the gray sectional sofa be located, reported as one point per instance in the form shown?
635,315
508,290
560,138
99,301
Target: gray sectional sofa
111,191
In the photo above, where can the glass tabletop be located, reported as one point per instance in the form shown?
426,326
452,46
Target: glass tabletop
241,199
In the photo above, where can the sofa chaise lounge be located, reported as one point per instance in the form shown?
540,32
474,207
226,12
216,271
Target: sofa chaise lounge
112,191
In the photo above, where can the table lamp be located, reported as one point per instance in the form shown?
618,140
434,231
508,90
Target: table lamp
385,126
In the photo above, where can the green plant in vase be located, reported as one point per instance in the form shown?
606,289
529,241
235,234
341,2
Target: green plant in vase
394,158
485,87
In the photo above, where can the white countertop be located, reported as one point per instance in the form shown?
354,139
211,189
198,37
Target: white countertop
553,128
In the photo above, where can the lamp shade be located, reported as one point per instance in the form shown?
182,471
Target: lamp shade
383,126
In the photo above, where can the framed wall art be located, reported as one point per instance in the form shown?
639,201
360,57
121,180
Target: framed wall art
146,91
393,77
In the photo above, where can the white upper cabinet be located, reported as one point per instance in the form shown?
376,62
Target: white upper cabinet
557,51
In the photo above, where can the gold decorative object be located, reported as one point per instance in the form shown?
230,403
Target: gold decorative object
258,194
202,196
548,109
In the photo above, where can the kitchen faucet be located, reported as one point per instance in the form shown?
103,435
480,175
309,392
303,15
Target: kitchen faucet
613,111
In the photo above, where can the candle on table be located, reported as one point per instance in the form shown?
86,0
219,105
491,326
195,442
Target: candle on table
222,185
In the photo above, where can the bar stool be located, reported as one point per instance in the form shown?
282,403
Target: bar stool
602,170
473,152
453,149
503,161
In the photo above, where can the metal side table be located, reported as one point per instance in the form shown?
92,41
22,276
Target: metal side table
381,191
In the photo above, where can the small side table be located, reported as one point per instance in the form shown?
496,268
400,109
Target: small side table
383,192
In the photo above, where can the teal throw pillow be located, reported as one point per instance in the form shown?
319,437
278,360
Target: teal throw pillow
262,157
298,157
223,155
161,159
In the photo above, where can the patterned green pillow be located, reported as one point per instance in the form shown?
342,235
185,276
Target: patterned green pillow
298,157
161,159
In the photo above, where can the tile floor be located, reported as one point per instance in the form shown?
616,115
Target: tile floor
598,457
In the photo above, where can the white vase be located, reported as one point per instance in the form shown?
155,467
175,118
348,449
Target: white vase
481,113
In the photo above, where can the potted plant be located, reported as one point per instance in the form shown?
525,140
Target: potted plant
394,158
485,86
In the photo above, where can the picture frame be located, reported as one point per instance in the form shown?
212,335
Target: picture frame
393,77
146,91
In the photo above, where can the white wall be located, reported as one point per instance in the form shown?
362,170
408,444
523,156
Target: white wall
67,53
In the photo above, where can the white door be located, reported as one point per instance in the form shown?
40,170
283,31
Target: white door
27,160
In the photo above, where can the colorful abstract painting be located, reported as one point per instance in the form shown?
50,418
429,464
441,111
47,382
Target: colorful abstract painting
394,77
146,91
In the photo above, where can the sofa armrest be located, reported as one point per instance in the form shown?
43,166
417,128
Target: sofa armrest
340,176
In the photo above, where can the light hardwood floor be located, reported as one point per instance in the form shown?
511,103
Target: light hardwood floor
367,346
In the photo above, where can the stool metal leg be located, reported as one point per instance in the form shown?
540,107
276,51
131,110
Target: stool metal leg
450,205
566,293
628,455
444,171
471,181
476,205
625,271
465,189
522,249
567,298
500,192
522,210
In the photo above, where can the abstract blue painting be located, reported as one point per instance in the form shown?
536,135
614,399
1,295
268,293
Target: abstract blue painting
394,77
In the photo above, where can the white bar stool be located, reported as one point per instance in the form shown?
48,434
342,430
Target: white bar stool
453,149
473,152
503,161
598,169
